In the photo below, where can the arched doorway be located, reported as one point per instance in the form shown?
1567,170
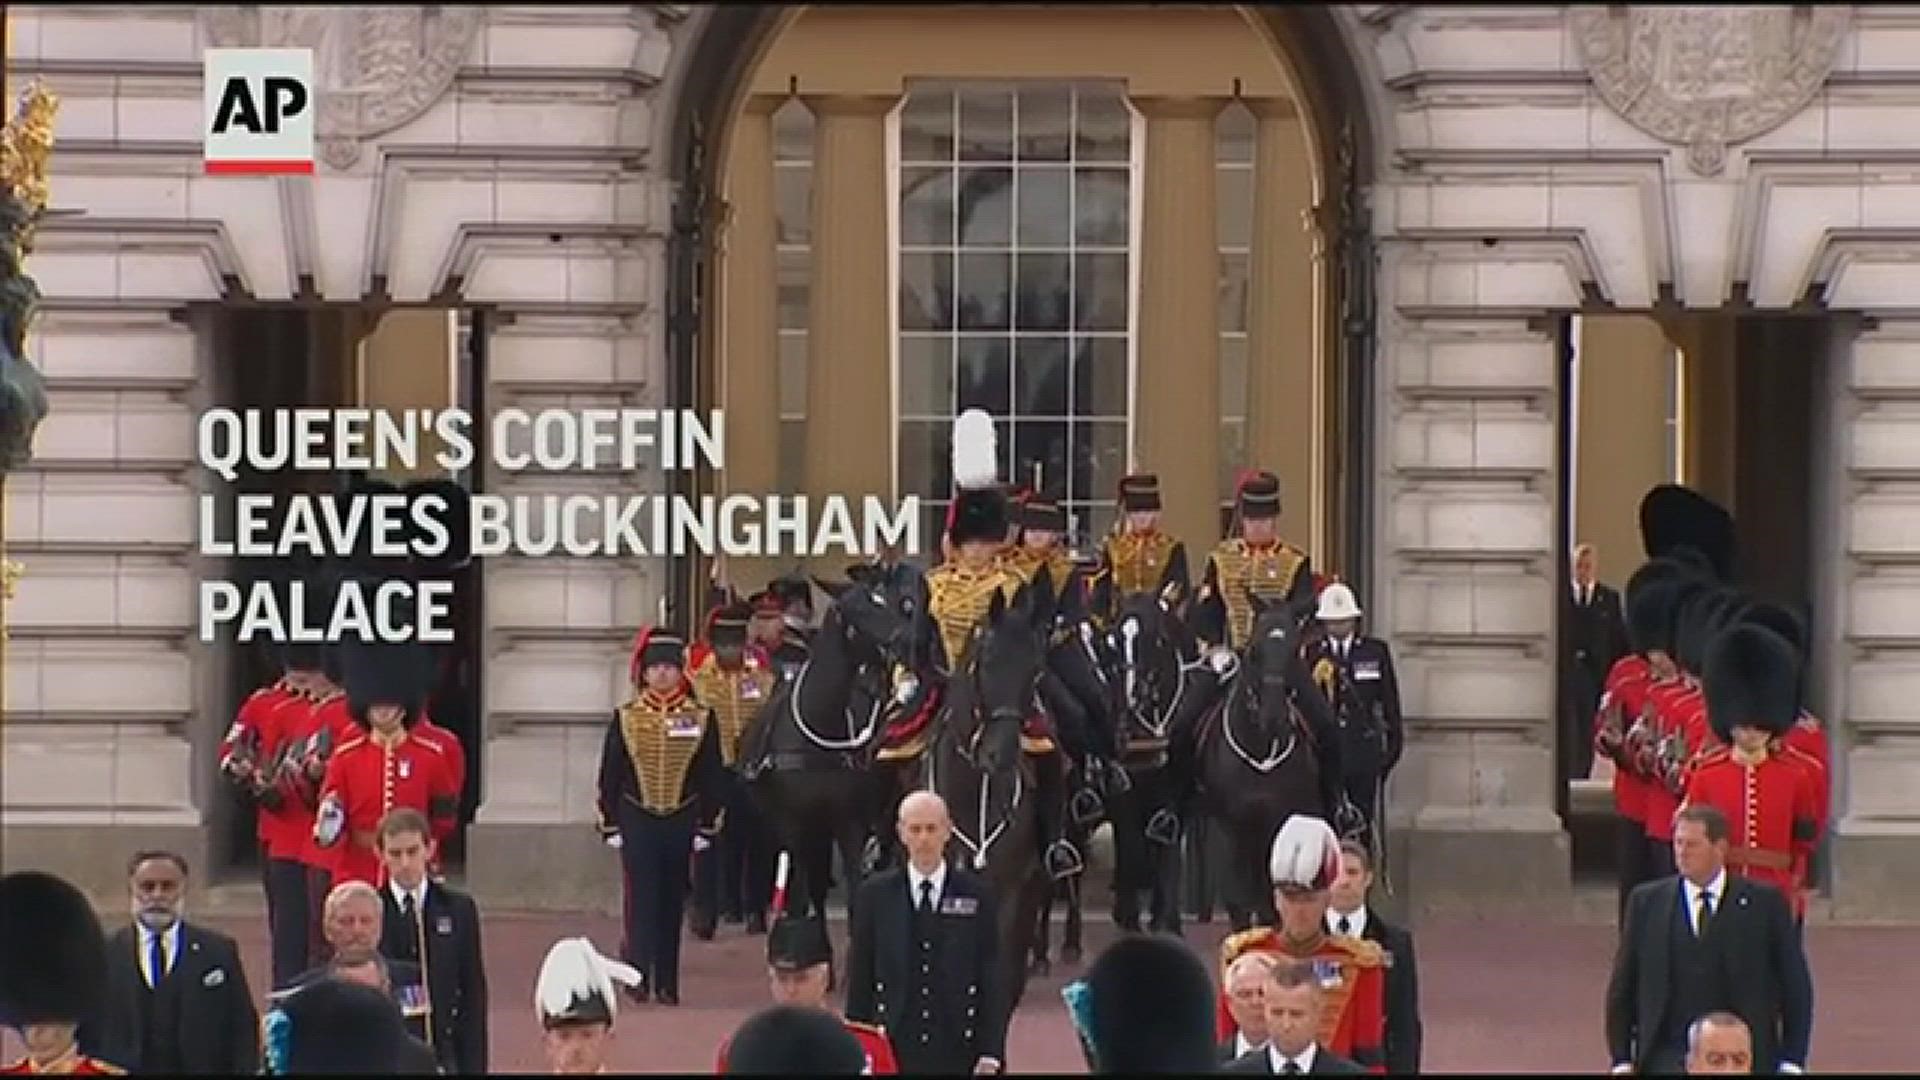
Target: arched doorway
884,221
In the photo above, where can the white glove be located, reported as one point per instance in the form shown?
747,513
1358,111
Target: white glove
904,692
1788,1068
1622,1070
613,841
701,843
1221,660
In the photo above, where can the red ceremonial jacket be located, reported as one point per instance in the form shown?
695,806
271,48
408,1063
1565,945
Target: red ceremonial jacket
74,1065
1772,809
1353,982
873,1040
1808,736
324,728
365,780
1680,712
1621,703
456,754
267,722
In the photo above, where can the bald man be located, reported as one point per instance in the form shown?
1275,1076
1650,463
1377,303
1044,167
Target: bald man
923,963
1719,1044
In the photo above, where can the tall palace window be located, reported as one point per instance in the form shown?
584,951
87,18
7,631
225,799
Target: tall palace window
1016,286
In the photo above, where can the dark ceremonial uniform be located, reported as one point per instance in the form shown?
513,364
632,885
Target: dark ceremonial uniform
260,756
788,652
368,778
735,876
1356,676
1352,973
661,781
1238,569
1141,560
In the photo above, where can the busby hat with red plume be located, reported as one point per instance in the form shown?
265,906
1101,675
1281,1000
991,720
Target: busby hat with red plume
979,510
655,645
53,954
1752,679
1675,518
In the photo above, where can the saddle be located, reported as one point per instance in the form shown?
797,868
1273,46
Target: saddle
904,736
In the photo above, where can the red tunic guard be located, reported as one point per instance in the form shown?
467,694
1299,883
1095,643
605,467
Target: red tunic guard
262,742
369,777
1678,706
1623,701
324,728
880,1061
71,1065
1772,808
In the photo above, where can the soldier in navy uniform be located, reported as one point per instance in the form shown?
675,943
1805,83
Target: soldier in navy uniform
1355,673
661,784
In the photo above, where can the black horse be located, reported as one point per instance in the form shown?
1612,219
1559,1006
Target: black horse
1255,757
1161,687
978,764
808,749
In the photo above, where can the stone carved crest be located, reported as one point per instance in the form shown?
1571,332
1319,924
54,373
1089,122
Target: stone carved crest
377,67
1708,77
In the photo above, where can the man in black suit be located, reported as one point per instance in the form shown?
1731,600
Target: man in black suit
1349,914
923,962
1704,941
377,972
1293,1028
1596,636
437,927
177,998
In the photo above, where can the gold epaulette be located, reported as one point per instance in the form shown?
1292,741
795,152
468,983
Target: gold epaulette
1362,952
1236,944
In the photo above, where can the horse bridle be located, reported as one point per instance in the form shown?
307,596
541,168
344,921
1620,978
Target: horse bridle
1156,726
969,751
857,739
1281,749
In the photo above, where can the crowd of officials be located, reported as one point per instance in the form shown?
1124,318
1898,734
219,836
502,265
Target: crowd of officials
377,961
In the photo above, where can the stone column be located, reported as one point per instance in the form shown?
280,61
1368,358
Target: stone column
1285,421
1866,613
1177,405
407,362
850,324
749,390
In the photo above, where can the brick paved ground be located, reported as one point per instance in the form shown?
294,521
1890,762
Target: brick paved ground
1497,998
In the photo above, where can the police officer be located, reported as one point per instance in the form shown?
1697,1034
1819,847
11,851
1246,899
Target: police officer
735,876
1138,557
661,784
1355,673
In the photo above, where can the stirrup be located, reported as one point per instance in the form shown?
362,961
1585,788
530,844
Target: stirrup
1163,827
1117,780
871,855
1085,807
1063,860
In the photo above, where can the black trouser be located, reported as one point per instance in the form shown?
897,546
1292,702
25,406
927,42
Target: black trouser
289,924
1636,859
654,851
735,875
319,884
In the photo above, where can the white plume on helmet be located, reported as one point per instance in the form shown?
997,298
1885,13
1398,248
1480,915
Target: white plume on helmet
976,451
1305,855
573,972
1336,603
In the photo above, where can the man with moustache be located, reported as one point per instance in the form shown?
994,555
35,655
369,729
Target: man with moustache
177,999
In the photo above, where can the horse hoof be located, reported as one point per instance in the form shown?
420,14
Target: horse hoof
1070,954
1040,967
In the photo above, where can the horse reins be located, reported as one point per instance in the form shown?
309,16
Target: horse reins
967,753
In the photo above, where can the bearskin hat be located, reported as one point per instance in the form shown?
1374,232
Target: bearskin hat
1674,517
1305,854
1752,678
1150,1009
1700,619
1649,604
385,673
794,1040
359,485
331,1027
454,515
576,985
1780,619
979,510
53,955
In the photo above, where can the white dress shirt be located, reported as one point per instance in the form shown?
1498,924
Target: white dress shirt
915,877
1717,889
1356,921
1241,1047
1277,1061
169,945
1342,646
418,892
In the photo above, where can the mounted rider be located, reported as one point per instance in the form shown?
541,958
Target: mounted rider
1258,565
959,592
776,627
1138,557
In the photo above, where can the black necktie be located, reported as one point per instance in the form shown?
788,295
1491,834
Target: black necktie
1705,917
926,897
157,958
1291,1068
1344,926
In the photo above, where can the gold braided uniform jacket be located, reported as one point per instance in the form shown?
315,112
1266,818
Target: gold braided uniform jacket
958,596
1062,572
735,697
1273,572
662,755
1137,562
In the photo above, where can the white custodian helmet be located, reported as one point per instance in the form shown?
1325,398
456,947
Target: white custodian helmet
1305,855
576,984
1336,603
